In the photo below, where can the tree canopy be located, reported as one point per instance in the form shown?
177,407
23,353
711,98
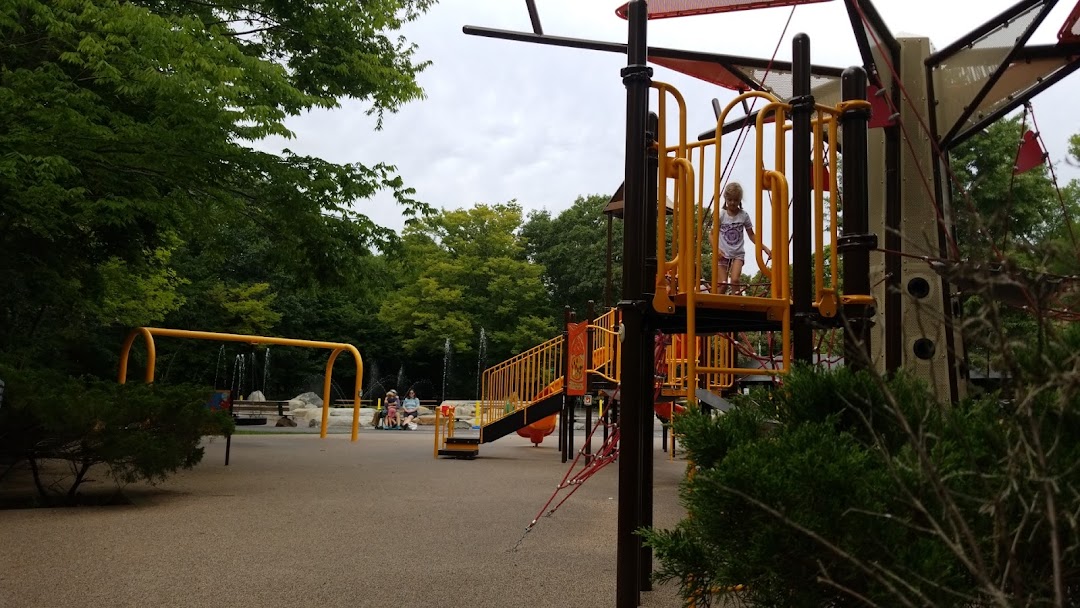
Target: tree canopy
1016,216
465,270
572,248
126,166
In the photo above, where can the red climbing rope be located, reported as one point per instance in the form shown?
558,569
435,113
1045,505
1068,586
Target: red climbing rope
954,249
608,453
1012,178
1053,177
741,138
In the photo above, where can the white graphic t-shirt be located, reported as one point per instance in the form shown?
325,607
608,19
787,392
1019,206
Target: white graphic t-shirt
732,229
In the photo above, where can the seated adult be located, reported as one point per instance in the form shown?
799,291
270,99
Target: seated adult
377,418
411,405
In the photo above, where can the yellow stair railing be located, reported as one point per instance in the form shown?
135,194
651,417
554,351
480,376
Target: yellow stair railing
521,380
444,425
538,372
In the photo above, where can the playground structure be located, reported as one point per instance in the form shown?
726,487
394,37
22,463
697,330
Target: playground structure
894,117
335,348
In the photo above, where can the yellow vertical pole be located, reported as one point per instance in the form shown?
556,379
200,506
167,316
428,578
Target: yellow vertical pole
819,208
435,450
476,414
691,296
355,419
326,392
834,199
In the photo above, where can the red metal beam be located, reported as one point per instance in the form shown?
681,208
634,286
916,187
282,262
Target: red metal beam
1068,31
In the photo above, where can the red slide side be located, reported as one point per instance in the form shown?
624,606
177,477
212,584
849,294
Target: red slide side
536,431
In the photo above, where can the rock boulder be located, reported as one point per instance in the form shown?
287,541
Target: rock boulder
311,399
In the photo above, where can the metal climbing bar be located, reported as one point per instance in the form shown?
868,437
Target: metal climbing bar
606,351
687,276
715,351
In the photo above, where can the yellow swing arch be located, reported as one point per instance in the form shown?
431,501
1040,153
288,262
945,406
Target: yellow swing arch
335,348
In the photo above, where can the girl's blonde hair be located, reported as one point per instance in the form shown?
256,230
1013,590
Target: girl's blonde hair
733,192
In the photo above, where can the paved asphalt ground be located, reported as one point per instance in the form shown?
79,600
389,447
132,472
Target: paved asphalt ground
300,521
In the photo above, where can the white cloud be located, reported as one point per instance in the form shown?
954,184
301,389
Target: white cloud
508,120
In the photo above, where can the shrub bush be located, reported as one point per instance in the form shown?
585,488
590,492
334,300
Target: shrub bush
136,431
841,489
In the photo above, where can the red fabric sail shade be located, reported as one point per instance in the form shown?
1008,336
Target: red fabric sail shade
1030,155
705,70
663,9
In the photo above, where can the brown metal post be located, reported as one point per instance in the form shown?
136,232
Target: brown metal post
567,319
590,314
802,286
857,241
635,390
607,271
648,364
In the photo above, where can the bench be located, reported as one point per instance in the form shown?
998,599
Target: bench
428,403
254,412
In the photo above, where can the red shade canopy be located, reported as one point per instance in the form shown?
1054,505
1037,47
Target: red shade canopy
1030,154
1069,31
663,9
705,70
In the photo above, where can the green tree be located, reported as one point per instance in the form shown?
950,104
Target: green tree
1016,221
851,490
572,248
126,139
471,273
132,432
1019,215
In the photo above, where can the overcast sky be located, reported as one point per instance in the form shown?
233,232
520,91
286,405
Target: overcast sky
509,120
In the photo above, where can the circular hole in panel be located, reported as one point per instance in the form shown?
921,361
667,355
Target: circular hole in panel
924,348
918,287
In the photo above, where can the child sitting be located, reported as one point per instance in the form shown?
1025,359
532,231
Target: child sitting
392,421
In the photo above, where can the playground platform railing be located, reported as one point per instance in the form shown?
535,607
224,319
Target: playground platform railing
521,380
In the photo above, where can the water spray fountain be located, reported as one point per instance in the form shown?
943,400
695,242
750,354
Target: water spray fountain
481,360
266,372
445,366
217,365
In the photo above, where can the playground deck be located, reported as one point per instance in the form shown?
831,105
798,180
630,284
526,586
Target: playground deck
300,521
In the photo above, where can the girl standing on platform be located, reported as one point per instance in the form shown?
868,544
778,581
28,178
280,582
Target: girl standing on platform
733,222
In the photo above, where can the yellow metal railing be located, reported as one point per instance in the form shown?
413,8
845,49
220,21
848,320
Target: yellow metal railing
687,249
607,353
719,353
682,258
521,380
538,372
444,425
714,352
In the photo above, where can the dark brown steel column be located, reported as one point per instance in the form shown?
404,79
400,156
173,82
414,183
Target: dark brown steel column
648,363
635,386
857,242
802,280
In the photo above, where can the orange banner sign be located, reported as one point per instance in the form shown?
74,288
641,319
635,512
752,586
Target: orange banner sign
576,356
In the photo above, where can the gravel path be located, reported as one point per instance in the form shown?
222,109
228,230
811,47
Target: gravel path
299,521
